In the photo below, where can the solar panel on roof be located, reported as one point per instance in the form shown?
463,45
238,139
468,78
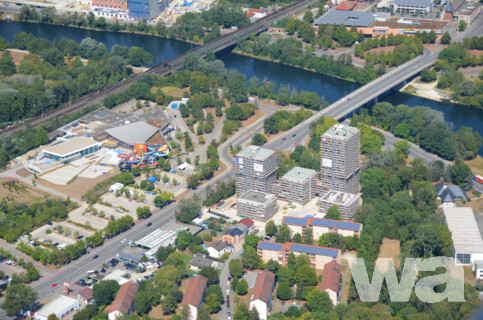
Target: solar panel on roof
292,220
270,246
302,248
326,251
324,223
348,225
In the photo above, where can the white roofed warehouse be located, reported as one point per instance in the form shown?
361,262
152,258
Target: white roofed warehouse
61,307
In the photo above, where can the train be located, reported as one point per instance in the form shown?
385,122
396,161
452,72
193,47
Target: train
478,179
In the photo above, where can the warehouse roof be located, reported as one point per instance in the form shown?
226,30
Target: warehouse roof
156,238
71,146
255,153
464,230
132,133
347,18
298,174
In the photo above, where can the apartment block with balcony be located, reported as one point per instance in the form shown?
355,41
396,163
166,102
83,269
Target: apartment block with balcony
255,169
321,226
257,205
340,165
347,203
296,186
319,256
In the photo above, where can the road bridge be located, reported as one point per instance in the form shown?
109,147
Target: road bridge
169,66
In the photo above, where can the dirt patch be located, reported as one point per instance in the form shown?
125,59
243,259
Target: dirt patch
24,173
171,91
477,53
476,165
77,188
258,114
391,249
469,276
20,192
17,55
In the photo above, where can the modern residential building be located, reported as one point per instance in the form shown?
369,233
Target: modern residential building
467,242
321,226
257,205
62,307
255,169
347,203
340,166
216,249
296,186
123,303
194,295
144,9
467,12
262,293
347,18
331,281
412,6
71,149
86,295
319,256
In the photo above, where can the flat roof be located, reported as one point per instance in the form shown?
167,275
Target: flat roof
137,132
464,230
58,305
256,153
414,3
339,198
421,24
467,8
299,174
341,131
347,18
257,196
156,238
70,146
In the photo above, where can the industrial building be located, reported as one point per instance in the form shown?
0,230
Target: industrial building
71,149
61,306
340,165
347,18
257,205
412,6
255,169
467,242
319,256
262,293
321,226
347,203
296,186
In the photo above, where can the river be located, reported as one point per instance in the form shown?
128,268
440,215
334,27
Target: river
163,49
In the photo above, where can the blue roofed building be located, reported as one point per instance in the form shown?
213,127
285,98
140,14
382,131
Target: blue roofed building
319,256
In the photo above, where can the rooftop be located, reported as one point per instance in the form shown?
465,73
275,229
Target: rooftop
464,230
195,290
255,152
234,232
339,198
132,133
414,3
156,238
346,5
247,222
416,24
298,174
355,226
303,248
57,305
70,146
200,261
257,196
467,8
330,277
86,293
347,18
263,286
340,131
218,245
124,298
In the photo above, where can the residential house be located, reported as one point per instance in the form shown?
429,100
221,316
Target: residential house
449,194
194,295
200,261
238,231
217,248
86,295
331,280
123,303
262,293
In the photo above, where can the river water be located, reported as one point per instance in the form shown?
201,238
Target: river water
163,49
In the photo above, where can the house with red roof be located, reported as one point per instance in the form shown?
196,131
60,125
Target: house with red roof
346,6
123,303
262,293
255,14
194,295
331,280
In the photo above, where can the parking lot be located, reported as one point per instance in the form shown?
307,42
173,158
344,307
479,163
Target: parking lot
10,269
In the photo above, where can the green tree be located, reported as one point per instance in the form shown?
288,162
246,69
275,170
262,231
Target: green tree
271,228
250,258
7,67
211,274
283,291
242,287
203,313
462,25
306,275
461,175
236,268
446,38
333,213
18,297
284,234
308,16
188,210
212,303
319,301
142,302
185,312
259,139
143,212
104,292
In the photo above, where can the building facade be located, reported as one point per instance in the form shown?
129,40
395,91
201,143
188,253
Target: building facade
194,295
262,293
255,169
144,9
340,165
467,12
71,149
111,8
331,281
321,226
257,205
296,186
347,203
412,6
319,256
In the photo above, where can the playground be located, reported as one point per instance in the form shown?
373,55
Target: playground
142,156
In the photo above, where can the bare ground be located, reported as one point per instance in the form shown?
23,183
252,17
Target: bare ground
24,193
391,249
